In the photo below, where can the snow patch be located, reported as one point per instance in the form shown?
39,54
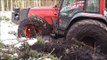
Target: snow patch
8,14
47,59
5,28
18,45
8,32
32,41
15,55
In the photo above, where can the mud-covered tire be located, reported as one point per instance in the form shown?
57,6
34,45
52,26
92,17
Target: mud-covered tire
90,34
36,21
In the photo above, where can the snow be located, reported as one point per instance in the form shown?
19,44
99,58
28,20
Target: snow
44,59
47,59
10,42
18,45
7,38
32,41
6,13
15,55
29,41
8,32
6,28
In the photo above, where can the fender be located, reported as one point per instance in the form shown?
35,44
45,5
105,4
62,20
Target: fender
45,12
82,15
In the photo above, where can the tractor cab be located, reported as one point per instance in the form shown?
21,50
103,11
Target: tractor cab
69,6
71,9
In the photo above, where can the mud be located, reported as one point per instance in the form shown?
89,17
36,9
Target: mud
74,50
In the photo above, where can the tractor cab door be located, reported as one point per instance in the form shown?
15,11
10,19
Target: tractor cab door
69,8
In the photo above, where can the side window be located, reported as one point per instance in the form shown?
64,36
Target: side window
92,6
66,2
72,5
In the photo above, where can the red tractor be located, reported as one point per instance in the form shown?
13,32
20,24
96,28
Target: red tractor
82,20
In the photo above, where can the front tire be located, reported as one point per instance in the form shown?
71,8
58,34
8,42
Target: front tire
32,26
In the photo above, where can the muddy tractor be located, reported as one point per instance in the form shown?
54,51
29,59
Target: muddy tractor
81,20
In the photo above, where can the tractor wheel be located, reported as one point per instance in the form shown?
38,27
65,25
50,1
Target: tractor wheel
31,27
88,39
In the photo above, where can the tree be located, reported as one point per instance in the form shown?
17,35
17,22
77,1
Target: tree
7,5
2,5
10,4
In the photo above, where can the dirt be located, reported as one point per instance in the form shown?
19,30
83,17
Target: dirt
70,51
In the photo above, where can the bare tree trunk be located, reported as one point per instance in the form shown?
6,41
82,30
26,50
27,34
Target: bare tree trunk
16,3
43,2
55,2
11,5
34,3
2,5
39,1
27,3
24,4
7,6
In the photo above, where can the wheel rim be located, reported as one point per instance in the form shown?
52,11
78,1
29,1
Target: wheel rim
31,31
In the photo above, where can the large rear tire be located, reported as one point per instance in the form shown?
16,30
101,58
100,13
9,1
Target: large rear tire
88,37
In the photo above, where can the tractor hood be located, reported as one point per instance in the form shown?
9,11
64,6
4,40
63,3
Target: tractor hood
44,12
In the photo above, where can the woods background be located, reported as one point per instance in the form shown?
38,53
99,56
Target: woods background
8,5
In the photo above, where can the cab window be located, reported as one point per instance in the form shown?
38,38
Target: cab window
92,6
72,5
